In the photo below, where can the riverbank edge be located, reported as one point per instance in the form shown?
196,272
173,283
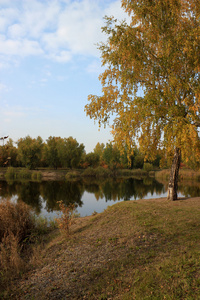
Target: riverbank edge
69,174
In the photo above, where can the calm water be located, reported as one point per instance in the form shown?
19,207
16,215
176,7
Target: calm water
87,195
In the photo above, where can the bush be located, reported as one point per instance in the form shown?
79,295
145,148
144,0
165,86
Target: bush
102,172
10,173
97,172
36,176
90,172
24,174
65,221
148,167
72,174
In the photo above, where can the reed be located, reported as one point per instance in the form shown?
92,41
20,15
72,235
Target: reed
16,224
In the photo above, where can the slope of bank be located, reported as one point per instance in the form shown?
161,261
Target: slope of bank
146,249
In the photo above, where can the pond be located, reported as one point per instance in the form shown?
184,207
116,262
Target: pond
89,196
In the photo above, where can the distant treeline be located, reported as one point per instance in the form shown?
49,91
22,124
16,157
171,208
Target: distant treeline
59,152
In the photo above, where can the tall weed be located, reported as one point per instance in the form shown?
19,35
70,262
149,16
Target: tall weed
15,218
65,220
16,224
11,261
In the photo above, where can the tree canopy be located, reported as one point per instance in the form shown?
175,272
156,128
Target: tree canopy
151,82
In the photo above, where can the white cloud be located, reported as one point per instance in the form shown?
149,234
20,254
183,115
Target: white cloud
7,16
56,29
9,47
16,31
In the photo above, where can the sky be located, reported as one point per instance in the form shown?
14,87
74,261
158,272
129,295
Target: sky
49,64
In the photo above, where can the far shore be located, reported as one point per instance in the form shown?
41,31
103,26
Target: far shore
63,174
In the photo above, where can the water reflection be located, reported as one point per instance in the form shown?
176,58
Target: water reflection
44,196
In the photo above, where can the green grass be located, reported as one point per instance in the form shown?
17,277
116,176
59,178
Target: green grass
161,260
22,174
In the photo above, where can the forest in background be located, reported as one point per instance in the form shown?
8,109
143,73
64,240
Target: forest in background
57,152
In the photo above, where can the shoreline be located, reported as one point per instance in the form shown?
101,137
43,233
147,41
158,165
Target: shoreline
73,174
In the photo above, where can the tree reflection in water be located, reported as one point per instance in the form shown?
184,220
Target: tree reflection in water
46,194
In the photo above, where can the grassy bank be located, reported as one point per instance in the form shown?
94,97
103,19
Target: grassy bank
11,173
184,174
99,172
146,249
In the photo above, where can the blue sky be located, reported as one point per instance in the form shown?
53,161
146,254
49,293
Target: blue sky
49,64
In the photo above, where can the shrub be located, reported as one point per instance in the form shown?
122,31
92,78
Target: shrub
72,174
148,167
90,172
65,220
102,172
36,176
10,173
24,174
97,172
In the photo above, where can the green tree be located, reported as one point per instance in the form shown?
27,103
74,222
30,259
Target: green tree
92,159
51,152
30,151
158,54
11,153
70,152
99,149
111,155
137,159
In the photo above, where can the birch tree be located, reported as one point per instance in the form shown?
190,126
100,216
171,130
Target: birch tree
157,53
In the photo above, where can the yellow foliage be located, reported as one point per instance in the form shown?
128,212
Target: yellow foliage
156,56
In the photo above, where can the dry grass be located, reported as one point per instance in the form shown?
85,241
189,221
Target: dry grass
16,219
22,238
16,224
184,174
146,249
